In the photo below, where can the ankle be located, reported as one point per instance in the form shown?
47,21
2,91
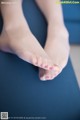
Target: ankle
59,28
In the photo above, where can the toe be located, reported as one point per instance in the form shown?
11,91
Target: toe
46,77
40,62
34,60
43,78
48,65
44,63
49,74
45,74
56,67
42,74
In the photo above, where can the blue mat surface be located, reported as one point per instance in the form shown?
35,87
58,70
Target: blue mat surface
72,21
22,94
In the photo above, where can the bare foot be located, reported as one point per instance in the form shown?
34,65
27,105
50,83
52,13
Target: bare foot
17,38
57,47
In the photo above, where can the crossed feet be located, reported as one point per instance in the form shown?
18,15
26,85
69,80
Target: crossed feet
51,60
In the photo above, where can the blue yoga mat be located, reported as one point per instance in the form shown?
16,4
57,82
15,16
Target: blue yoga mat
22,94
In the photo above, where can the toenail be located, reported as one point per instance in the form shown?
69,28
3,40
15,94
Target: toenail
46,66
47,77
51,68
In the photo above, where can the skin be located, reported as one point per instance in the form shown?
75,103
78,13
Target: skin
17,38
57,42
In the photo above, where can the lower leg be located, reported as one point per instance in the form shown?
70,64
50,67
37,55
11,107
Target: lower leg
51,10
11,10
57,44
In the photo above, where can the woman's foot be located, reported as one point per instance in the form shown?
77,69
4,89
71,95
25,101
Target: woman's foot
17,38
57,47
20,41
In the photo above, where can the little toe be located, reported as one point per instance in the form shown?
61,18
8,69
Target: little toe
39,61
34,61
45,64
